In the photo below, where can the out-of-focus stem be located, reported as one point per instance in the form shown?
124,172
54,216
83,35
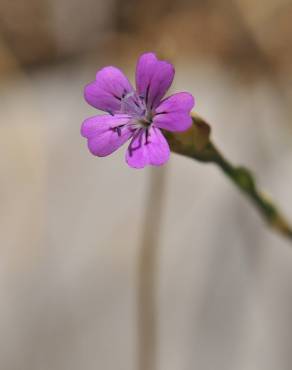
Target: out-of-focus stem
148,273
195,143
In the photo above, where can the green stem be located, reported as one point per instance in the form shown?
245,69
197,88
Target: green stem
196,144
245,181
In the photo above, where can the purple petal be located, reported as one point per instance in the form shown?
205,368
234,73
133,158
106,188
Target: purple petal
173,113
106,133
153,78
147,149
106,92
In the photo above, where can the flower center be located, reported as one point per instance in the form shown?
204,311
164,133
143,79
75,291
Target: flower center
146,120
135,106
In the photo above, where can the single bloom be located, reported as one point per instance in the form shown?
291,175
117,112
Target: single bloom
138,114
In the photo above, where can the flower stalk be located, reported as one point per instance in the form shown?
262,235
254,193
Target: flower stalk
196,144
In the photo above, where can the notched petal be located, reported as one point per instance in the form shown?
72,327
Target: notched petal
153,78
108,89
105,134
173,113
148,147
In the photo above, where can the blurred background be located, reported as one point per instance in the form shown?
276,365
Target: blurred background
72,226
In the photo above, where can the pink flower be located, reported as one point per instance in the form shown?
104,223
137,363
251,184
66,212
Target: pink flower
136,114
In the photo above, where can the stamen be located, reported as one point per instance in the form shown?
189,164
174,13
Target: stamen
147,93
156,114
147,135
119,131
132,105
136,103
117,97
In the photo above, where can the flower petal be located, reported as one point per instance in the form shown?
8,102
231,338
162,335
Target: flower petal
173,113
106,133
106,92
153,78
147,149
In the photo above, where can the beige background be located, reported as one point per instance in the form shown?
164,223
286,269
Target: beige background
72,225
